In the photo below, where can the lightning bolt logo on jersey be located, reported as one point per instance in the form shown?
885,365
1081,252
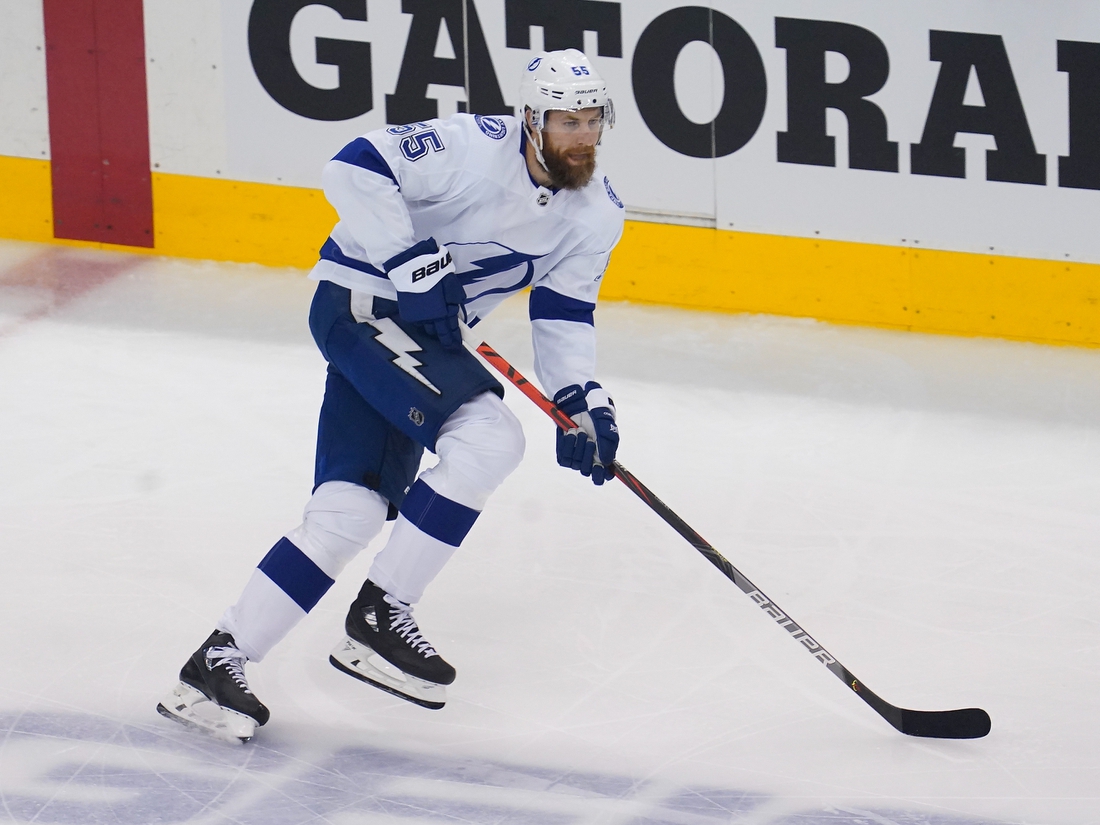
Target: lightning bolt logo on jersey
479,264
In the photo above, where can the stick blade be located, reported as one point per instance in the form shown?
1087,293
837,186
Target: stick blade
965,723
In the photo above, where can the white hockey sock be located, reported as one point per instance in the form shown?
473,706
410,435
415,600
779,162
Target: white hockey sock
261,617
428,530
340,519
478,447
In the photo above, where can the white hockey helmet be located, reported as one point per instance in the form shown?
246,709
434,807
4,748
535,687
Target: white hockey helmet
562,80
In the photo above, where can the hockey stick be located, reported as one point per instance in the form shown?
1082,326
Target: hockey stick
965,723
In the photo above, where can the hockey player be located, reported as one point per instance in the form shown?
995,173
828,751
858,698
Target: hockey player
439,222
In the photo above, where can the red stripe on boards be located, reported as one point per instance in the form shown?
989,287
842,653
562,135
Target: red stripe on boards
99,121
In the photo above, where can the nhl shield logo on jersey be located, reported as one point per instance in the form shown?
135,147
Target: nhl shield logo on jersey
492,126
416,417
611,193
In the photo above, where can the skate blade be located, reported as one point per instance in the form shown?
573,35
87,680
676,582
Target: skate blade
193,709
358,660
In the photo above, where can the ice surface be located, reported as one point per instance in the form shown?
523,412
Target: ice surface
927,507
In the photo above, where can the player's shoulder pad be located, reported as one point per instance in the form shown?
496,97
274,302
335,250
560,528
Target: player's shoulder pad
492,142
495,127
401,131
490,129
424,147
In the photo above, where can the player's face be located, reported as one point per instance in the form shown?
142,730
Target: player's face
569,146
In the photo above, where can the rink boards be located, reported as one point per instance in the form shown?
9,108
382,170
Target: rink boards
930,166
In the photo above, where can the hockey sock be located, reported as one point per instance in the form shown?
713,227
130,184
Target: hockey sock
282,589
340,519
428,530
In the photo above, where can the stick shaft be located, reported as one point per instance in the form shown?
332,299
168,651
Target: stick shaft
660,508
956,724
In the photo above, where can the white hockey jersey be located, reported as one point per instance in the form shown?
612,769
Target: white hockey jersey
464,181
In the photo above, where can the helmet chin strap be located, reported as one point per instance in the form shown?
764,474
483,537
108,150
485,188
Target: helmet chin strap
534,136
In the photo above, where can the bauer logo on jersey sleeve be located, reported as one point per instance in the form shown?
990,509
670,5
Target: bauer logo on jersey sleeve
492,126
611,193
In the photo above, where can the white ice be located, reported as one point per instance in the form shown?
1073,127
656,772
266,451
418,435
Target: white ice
927,507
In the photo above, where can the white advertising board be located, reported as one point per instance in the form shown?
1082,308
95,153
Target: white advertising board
24,125
969,125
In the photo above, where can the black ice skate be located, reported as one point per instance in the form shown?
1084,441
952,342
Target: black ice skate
213,693
384,648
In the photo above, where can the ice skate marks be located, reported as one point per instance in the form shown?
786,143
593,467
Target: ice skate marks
359,660
193,709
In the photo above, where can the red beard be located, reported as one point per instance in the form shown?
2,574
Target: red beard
569,175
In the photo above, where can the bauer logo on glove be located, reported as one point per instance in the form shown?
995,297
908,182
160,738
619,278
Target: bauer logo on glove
590,447
428,290
432,268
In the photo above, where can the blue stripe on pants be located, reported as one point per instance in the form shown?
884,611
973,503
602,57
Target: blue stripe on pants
296,574
438,516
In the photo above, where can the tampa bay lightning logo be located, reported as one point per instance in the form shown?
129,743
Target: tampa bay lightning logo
534,64
611,193
492,126
493,265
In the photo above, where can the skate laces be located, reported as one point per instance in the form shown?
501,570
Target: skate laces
232,660
404,625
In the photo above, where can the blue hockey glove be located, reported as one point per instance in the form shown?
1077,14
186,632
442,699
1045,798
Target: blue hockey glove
591,446
428,290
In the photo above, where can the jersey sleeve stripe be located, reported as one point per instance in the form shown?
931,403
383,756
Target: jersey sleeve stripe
548,305
362,153
331,251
